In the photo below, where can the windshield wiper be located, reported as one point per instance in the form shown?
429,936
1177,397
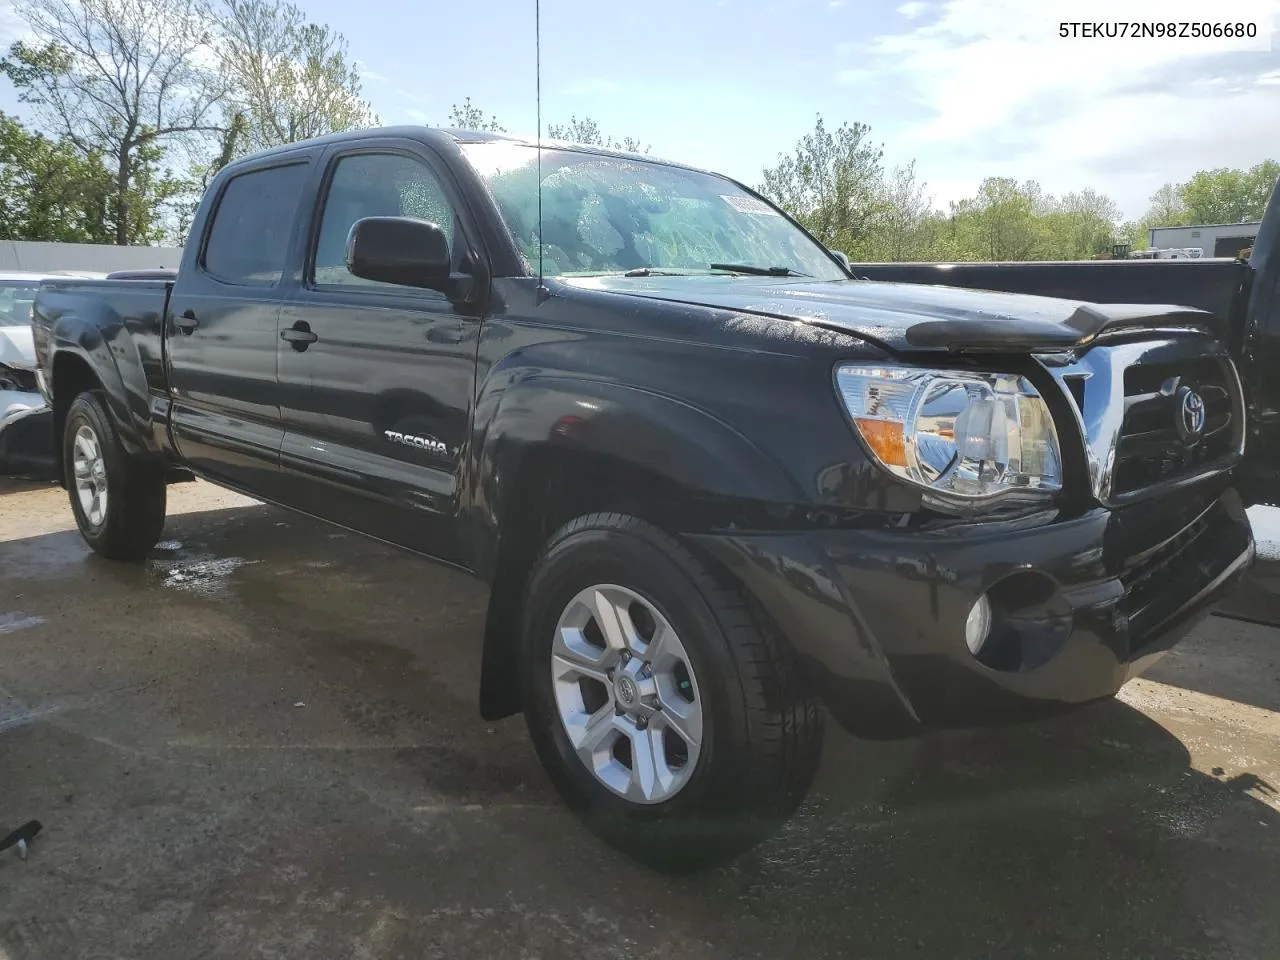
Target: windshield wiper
752,270
658,272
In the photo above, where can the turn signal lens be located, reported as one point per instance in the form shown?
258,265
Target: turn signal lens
886,440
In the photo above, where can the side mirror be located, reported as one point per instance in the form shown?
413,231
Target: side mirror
841,256
411,253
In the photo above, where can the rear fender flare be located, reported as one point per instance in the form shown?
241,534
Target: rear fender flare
110,353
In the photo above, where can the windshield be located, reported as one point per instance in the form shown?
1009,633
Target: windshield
15,302
604,215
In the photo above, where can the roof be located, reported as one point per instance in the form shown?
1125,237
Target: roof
455,135
1210,226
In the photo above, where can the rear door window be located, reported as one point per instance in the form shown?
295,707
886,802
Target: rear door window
248,241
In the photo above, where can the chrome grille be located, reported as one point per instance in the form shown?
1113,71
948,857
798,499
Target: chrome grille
1129,398
1151,448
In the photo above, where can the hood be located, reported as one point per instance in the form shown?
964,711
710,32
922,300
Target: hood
16,348
908,317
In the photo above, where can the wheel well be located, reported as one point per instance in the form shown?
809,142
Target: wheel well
550,489
71,377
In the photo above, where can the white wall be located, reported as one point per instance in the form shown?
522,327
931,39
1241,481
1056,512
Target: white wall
1164,238
40,257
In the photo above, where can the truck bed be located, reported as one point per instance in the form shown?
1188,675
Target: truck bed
135,306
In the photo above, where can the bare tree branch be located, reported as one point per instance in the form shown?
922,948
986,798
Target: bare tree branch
119,78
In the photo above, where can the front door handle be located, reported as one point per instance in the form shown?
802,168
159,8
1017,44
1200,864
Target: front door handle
443,334
299,336
187,323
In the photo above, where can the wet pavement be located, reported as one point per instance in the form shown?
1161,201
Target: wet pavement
264,743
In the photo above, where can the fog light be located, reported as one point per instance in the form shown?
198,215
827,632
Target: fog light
978,625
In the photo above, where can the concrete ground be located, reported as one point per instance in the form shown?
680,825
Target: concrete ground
264,744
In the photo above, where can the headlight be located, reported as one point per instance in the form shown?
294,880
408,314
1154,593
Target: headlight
965,435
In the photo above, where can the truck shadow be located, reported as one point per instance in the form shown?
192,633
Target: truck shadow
396,812
1051,838
1235,657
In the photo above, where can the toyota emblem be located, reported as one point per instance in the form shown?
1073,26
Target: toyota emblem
1190,416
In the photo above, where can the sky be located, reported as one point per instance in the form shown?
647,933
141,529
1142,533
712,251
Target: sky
966,88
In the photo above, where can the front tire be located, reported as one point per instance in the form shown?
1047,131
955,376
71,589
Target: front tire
668,714
118,501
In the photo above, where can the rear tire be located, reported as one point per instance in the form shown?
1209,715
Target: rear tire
758,731
118,501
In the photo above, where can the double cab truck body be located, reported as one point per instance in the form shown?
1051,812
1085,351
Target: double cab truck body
714,483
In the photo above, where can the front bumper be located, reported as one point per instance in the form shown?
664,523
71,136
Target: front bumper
26,433
1085,604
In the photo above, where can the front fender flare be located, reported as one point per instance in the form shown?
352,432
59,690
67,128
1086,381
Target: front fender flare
686,447
679,453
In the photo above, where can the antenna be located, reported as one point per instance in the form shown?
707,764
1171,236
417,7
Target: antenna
542,292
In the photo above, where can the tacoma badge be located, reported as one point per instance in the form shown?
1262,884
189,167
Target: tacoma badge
430,444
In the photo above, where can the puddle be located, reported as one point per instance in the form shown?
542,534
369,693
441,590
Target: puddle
13,622
1266,531
202,576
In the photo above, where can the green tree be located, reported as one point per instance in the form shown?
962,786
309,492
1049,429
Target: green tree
902,228
1001,222
831,183
587,131
1228,195
120,79
288,79
1167,207
1080,225
49,190
1262,181
467,116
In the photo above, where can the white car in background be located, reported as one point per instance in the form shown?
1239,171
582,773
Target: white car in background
25,437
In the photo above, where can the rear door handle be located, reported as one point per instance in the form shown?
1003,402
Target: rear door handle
299,335
187,322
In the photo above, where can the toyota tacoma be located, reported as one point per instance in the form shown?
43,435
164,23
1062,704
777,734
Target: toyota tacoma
718,488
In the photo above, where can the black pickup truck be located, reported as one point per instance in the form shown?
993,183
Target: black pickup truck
1243,294
718,488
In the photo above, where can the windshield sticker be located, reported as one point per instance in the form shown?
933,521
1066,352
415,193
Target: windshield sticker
750,205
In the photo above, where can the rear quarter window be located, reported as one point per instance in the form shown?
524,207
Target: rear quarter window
248,241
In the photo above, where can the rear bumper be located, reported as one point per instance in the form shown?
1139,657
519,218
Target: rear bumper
1082,605
26,433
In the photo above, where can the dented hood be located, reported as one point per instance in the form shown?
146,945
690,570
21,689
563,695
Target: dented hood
906,317
16,349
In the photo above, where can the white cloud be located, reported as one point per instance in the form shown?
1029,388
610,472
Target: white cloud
836,4
912,9
1002,93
